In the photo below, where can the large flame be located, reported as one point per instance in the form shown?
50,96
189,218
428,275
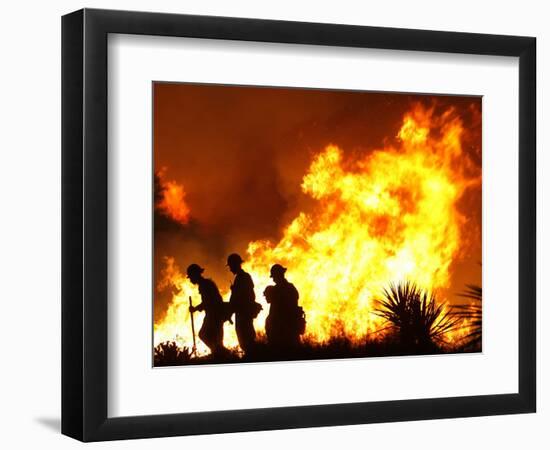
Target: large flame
381,216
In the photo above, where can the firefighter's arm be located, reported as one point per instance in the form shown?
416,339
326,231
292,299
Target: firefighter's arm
199,307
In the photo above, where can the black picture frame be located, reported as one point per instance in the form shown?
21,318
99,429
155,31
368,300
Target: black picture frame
84,224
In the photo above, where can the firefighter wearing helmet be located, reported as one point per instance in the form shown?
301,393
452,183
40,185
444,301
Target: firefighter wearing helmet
211,332
286,320
243,304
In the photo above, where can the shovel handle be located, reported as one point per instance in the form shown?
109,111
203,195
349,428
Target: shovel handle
192,325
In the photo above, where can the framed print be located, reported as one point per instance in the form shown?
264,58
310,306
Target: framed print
349,230
291,216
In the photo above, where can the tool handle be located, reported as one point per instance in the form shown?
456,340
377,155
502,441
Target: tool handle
192,324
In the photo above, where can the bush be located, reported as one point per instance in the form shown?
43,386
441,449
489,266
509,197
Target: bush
169,354
471,314
420,321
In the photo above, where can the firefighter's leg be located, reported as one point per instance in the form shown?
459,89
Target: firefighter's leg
216,339
245,333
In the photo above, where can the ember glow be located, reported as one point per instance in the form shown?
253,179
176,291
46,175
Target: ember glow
376,217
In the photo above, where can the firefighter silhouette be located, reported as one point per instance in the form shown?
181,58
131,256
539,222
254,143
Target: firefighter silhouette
286,321
211,332
243,304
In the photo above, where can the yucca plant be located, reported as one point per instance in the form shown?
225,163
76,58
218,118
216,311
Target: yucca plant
471,313
421,321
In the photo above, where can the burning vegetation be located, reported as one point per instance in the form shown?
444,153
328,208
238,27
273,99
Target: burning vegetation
369,258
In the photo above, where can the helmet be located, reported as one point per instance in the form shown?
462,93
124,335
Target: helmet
194,269
277,269
234,258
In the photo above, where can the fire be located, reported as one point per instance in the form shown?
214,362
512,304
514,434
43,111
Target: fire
172,201
381,216
176,324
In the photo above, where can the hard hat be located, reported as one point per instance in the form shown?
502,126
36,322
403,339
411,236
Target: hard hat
277,268
194,269
234,258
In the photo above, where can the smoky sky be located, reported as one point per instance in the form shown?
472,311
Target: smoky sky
241,153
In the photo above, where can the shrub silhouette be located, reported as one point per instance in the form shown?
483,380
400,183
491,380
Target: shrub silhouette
169,354
472,314
419,319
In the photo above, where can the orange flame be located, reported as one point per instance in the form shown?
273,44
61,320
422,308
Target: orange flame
172,202
381,216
